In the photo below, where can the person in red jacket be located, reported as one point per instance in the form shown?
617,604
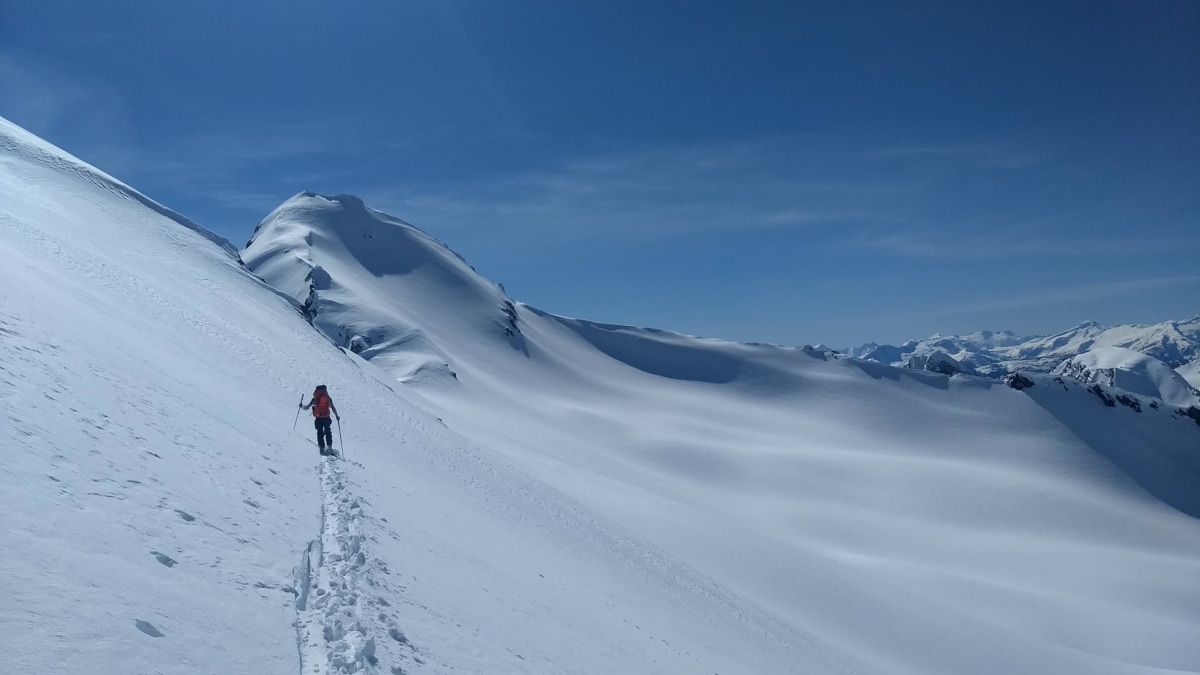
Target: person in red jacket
322,405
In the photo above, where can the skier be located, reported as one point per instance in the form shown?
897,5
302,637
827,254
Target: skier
321,406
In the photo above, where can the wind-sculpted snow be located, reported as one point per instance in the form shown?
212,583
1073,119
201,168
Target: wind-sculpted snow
673,356
16,144
687,506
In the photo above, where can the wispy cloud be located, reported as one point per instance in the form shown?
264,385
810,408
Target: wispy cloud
1005,155
56,102
952,243
1052,297
659,192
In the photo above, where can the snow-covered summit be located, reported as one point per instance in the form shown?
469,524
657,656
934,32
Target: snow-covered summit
405,301
377,285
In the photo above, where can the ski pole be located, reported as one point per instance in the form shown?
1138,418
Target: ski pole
298,412
340,443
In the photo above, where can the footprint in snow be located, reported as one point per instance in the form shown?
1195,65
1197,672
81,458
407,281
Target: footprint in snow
164,559
147,628
185,515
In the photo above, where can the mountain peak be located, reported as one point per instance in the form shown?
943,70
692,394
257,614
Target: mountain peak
378,285
348,201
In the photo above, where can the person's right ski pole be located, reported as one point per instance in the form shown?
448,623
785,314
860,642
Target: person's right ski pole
298,408
340,443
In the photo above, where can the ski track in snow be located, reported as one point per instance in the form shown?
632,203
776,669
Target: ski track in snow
339,625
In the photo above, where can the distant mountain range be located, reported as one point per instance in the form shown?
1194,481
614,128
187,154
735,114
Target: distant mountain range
1176,343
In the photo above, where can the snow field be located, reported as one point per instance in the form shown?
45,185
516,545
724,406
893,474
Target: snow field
880,512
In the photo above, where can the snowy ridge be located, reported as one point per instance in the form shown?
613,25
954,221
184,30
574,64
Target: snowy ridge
1174,342
1131,371
15,142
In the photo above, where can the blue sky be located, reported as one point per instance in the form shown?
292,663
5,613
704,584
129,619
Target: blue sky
774,171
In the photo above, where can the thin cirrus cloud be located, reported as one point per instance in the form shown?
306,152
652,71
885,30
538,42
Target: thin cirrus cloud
1061,296
69,104
946,243
661,192
995,155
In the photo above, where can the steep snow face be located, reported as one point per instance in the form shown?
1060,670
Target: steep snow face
993,354
1131,371
367,280
922,523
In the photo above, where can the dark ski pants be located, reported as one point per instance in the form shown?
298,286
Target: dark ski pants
324,432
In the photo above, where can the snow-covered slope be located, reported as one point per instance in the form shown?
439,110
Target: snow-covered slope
1172,342
161,516
1191,373
917,522
1130,371
598,498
